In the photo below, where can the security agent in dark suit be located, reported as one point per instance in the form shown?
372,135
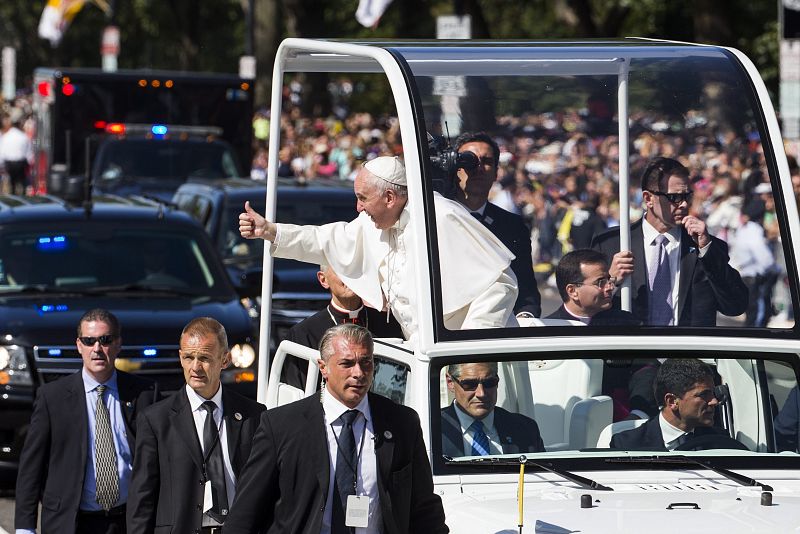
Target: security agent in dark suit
473,192
317,458
473,425
587,290
345,307
693,280
79,449
685,389
188,460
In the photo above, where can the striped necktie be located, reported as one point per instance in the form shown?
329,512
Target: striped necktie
480,441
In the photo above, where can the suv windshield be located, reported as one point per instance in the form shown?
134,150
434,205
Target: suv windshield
608,405
163,158
90,258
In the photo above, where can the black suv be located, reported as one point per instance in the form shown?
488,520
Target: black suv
296,291
152,266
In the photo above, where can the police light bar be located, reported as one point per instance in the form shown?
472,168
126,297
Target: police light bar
160,130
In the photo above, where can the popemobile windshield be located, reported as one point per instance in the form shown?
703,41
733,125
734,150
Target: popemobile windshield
570,409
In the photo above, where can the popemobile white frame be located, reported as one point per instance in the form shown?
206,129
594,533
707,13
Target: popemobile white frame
488,502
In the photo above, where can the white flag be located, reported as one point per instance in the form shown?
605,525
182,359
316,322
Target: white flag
369,12
56,17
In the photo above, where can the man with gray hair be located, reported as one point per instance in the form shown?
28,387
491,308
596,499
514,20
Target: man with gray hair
348,458
473,425
373,253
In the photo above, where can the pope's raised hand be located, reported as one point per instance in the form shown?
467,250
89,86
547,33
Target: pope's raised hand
252,225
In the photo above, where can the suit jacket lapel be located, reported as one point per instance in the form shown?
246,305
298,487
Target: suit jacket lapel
452,438
689,255
653,436
76,396
319,456
639,275
233,427
127,403
183,421
385,436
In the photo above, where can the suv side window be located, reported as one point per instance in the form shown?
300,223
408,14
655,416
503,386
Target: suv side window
197,206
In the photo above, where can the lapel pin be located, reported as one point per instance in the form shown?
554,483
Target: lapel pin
237,416
387,434
508,439
129,404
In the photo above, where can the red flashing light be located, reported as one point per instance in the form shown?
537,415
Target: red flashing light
44,89
115,128
100,125
68,89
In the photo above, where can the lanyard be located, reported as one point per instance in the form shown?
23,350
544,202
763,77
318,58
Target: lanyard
354,468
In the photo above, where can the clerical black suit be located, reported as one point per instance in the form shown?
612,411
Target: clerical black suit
166,493
517,432
53,461
610,317
310,330
648,437
707,285
284,486
510,228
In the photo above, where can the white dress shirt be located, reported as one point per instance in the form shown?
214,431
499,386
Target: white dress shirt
465,420
367,476
670,433
14,145
199,414
478,287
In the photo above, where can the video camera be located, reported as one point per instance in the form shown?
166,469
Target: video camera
445,161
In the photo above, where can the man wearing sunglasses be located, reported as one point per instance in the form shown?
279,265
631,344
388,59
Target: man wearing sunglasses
474,184
473,425
684,388
78,453
680,273
587,290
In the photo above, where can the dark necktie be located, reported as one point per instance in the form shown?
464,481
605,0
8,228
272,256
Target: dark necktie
346,468
660,285
212,449
477,215
680,440
106,473
480,441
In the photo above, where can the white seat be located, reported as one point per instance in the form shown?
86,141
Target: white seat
604,441
558,387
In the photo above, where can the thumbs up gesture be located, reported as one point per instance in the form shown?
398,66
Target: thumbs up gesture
252,225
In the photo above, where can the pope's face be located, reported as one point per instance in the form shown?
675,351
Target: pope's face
370,200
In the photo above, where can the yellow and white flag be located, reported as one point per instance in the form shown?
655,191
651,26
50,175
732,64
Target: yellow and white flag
56,17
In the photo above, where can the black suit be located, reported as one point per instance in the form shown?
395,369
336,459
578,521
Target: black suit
610,317
517,432
510,228
707,285
167,488
310,330
648,437
53,461
284,486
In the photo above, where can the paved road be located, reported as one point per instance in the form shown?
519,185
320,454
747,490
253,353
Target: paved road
6,513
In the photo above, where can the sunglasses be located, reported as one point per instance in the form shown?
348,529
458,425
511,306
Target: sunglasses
105,340
471,384
674,198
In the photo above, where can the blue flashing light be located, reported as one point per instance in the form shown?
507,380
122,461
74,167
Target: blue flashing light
149,353
62,307
54,352
58,242
47,308
159,129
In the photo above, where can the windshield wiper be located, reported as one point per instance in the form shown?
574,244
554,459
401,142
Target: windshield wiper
143,288
730,475
547,466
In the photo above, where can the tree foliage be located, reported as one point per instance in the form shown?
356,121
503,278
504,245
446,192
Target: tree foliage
210,34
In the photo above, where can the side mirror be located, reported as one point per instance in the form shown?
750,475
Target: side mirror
74,189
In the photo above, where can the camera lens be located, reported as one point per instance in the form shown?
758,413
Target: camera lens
467,161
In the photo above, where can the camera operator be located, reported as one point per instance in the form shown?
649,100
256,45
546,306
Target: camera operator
477,156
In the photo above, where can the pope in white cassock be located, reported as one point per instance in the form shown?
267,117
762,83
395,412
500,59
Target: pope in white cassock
370,253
